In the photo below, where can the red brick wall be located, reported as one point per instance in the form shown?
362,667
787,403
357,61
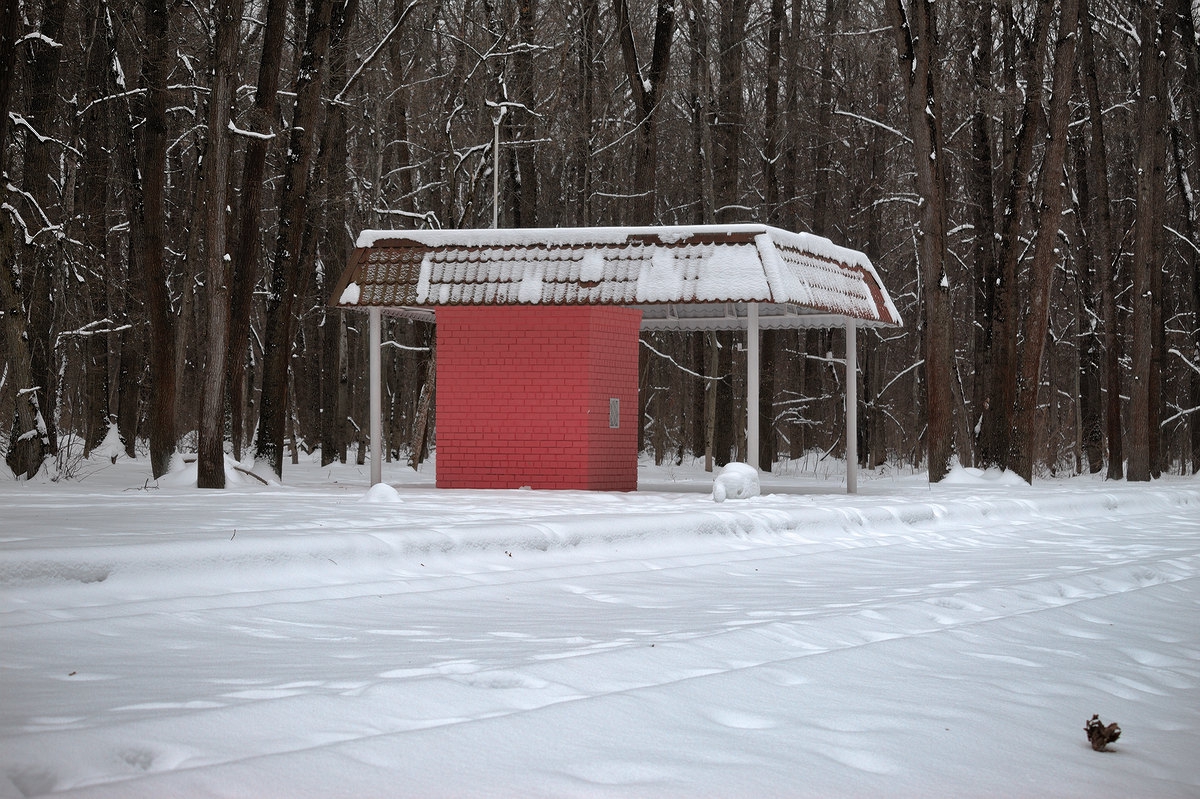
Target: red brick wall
523,397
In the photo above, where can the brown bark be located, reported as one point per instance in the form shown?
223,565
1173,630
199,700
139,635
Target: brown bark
645,86
210,461
1046,253
730,112
915,28
1091,406
773,130
701,107
982,200
25,453
523,152
246,243
588,45
329,222
823,130
95,125
147,224
421,425
1106,263
36,261
1179,135
1000,378
1154,30
286,278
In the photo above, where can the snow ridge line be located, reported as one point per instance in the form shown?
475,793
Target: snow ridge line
836,520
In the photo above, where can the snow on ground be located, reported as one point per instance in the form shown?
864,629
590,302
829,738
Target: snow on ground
317,639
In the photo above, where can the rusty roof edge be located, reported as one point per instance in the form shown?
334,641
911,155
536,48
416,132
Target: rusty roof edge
349,274
767,240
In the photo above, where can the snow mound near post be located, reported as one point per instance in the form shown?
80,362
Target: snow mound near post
381,493
736,481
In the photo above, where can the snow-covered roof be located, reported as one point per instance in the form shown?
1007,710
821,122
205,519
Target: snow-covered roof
684,277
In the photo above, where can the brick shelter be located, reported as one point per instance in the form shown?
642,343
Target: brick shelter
537,332
538,397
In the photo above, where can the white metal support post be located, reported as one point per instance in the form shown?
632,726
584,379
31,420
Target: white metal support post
752,361
851,407
376,392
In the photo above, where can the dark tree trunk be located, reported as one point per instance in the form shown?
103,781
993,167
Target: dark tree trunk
1000,378
25,453
1091,417
1154,30
42,208
1046,251
329,222
701,105
771,118
246,244
915,28
588,48
1179,136
982,200
523,151
210,461
287,279
1106,263
766,401
645,86
728,130
823,130
92,204
147,228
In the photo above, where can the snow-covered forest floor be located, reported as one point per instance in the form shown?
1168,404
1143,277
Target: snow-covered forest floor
319,640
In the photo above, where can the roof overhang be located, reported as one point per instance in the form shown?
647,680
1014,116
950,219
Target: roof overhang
681,278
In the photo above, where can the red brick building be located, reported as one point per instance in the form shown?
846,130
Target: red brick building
537,332
539,397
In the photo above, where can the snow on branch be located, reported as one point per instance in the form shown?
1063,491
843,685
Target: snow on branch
874,122
1183,358
49,226
678,365
429,217
250,134
107,97
405,347
18,220
40,37
22,122
900,375
91,329
378,49
1182,237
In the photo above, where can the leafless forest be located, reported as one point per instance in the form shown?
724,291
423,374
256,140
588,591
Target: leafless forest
184,180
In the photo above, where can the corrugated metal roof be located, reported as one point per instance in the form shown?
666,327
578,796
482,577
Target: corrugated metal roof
686,277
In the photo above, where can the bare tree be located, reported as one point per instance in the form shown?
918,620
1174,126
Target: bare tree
1154,32
645,85
288,279
147,224
915,29
1046,254
211,453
